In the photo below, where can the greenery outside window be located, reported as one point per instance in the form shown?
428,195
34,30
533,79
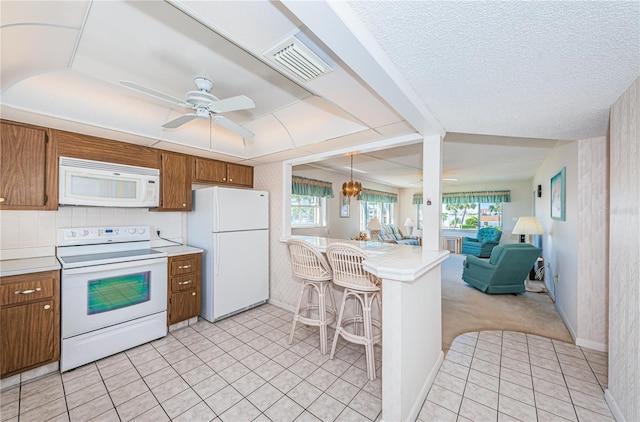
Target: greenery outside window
376,204
473,210
383,211
308,211
309,202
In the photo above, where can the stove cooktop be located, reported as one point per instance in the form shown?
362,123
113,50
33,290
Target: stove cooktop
77,261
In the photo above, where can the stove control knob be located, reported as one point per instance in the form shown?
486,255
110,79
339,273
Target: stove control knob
142,230
72,233
132,230
84,233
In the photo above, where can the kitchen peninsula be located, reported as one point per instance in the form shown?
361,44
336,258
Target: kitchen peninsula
411,321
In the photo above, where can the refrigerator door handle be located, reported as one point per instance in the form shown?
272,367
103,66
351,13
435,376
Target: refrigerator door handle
217,252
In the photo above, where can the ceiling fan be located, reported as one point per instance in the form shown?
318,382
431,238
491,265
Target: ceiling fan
205,105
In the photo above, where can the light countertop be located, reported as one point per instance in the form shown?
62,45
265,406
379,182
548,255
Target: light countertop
28,265
178,250
389,260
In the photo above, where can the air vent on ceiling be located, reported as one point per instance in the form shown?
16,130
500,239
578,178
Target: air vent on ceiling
298,59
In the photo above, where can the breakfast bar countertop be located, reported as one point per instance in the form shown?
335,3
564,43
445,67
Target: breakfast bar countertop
388,260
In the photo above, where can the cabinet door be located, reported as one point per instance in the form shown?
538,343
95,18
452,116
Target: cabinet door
175,182
240,175
25,162
184,305
28,335
209,171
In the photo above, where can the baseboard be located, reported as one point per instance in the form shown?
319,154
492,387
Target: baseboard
601,347
613,406
282,305
572,332
417,406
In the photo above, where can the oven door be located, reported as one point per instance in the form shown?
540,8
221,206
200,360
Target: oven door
99,296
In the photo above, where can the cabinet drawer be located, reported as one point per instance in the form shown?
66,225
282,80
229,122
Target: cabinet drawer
183,283
26,291
183,264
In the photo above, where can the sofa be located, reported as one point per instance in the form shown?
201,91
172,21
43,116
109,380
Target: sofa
390,233
504,272
484,242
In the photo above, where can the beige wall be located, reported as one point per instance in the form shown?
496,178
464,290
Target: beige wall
593,245
623,394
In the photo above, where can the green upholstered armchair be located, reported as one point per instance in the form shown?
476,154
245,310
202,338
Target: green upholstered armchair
486,239
504,272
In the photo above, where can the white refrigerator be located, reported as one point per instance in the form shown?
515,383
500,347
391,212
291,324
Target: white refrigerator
232,226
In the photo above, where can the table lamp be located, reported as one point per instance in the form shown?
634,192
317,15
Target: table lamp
408,224
527,226
374,228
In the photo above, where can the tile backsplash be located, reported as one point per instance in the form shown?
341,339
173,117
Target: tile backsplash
37,229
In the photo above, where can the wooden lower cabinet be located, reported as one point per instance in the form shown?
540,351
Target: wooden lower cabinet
183,293
29,321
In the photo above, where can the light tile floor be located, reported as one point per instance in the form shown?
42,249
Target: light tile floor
509,376
243,369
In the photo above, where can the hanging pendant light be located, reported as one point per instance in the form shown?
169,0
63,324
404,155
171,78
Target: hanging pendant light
351,188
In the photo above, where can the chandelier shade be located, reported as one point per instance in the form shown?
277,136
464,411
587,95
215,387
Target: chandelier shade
351,188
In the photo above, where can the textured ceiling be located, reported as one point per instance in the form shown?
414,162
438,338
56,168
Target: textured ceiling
529,69
514,76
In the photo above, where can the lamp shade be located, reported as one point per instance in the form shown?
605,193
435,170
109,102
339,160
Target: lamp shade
528,225
409,222
374,224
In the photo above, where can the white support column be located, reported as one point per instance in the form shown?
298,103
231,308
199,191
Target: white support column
432,190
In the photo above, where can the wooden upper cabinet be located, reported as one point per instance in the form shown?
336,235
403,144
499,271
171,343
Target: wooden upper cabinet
238,174
87,147
175,182
209,171
28,164
221,173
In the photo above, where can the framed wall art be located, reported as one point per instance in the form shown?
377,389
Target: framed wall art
344,206
558,195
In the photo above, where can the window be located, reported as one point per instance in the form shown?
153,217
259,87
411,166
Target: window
472,215
308,211
380,210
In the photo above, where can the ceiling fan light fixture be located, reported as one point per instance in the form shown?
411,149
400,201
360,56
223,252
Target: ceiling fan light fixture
351,188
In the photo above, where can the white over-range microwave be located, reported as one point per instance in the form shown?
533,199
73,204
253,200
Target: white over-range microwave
96,183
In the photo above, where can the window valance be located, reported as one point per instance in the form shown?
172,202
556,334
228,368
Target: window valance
377,196
417,199
312,187
495,196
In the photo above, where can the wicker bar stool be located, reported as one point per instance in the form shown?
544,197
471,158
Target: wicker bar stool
312,268
346,262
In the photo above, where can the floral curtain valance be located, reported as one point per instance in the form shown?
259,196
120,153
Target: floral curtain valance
417,199
495,196
312,187
377,196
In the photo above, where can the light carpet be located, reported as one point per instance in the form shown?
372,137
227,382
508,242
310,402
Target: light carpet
466,309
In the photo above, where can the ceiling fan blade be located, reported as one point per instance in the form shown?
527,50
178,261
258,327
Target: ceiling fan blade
154,93
240,102
234,127
172,124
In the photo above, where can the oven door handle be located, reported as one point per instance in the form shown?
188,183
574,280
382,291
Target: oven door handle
115,266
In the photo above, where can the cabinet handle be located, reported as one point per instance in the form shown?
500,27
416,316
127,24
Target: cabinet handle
27,292
184,205
1,200
182,267
193,294
184,282
224,179
47,307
